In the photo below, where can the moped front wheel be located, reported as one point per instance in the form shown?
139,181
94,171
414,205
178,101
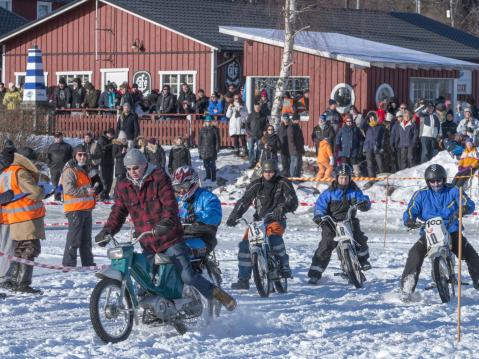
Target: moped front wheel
260,274
442,277
112,318
353,268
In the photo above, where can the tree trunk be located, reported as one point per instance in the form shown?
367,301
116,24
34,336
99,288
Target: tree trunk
290,14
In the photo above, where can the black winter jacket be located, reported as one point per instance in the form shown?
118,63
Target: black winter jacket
118,155
321,133
283,138
295,140
106,147
62,98
155,154
58,154
202,105
166,104
186,96
78,97
255,125
179,156
209,144
129,124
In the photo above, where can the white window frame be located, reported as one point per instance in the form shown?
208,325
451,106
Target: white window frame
453,92
353,95
44,3
102,71
193,72
61,74
18,74
9,8
380,88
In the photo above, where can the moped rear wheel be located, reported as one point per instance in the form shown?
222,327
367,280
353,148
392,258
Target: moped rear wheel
353,268
260,274
111,320
442,277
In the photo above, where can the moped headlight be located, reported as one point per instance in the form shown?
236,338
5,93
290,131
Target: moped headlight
115,253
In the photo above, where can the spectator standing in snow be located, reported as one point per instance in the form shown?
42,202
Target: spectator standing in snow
128,123
404,136
348,142
237,115
208,148
179,155
58,154
118,150
107,163
295,147
469,126
321,131
333,117
155,154
269,145
94,151
255,126
429,131
283,138
449,127
265,104
373,144
325,161
468,164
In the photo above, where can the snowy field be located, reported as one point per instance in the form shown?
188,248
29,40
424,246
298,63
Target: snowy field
331,320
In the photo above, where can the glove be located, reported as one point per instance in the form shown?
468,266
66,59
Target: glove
190,218
318,220
163,227
232,221
363,206
102,238
410,223
269,218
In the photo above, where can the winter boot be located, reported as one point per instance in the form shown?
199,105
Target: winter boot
241,284
314,280
365,265
24,279
224,298
286,272
10,281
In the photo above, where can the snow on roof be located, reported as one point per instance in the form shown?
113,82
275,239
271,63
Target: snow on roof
354,50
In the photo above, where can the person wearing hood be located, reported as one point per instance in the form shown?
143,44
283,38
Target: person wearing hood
449,127
79,192
321,131
25,218
373,144
348,142
148,197
403,139
118,151
179,155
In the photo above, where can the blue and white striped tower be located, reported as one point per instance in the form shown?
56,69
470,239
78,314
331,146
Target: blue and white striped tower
34,90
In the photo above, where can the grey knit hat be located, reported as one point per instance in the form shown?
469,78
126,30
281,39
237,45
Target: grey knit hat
134,157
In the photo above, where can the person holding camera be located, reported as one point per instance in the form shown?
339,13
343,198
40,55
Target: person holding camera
237,115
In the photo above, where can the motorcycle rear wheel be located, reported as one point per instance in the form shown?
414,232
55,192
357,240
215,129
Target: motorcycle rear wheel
260,274
442,277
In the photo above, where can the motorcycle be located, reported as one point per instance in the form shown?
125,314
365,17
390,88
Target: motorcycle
266,267
132,286
438,243
346,249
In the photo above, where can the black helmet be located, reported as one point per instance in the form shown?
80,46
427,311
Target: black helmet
343,170
435,172
269,165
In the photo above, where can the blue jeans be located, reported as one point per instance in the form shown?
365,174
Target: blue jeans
210,169
295,166
253,150
427,148
178,254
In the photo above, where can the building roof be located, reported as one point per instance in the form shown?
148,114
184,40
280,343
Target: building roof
10,21
354,50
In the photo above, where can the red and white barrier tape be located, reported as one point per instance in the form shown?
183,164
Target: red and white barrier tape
11,258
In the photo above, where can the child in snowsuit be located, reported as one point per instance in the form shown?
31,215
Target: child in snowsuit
325,160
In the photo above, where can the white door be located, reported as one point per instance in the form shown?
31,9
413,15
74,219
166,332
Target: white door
117,76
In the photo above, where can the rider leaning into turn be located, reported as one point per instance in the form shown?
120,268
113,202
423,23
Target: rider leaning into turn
273,196
335,202
438,199
146,194
200,209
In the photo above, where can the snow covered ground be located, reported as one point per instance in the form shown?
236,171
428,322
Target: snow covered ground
330,320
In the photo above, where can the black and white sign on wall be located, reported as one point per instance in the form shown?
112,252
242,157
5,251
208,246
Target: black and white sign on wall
233,73
143,80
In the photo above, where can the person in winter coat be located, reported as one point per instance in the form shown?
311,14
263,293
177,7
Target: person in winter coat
3,91
94,151
128,123
467,166
58,154
295,147
208,148
25,219
237,115
118,151
186,95
403,141
373,144
321,131
429,131
107,163
335,202
202,102
357,116
91,96
215,106
255,126
389,157
438,199
348,142
273,196
62,95
136,95
78,93
155,154
289,106
13,98
325,161
147,196
269,145
126,96
283,138
265,104
449,127
166,102
199,209
179,155
109,98
333,117
79,199
469,126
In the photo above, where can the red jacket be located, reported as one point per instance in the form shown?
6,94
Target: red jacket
153,201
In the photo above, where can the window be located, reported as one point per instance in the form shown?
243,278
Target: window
43,8
294,85
430,89
384,92
20,78
175,78
69,76
344,96
6,4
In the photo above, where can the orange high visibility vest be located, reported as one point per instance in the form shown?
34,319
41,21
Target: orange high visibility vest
24,209
288,105
72,203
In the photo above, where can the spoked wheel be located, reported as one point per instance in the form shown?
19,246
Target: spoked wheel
260,274
353,268
214,306
442,276
111,319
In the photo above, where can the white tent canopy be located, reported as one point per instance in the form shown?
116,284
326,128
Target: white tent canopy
354,50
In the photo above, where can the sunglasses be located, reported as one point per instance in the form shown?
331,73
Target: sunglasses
439,181
133,168
82,154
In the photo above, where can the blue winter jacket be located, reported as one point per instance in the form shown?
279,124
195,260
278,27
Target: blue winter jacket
426,204
348,141
212,106
332,202
404,136
206,206
374,138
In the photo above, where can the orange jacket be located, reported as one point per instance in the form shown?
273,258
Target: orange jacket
469,158
288,106
24,209
84,203
325,152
